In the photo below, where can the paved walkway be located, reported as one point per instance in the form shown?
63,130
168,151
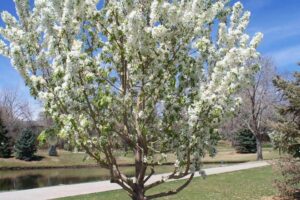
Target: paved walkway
101,186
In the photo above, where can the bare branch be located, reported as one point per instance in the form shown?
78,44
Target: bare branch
172,192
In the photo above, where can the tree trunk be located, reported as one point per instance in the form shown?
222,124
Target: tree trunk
139,193
140,170
259,148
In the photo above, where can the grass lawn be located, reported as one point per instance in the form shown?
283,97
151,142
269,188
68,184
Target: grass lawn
65,158
253,184
229,155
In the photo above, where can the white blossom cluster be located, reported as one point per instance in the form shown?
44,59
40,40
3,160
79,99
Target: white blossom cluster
167,71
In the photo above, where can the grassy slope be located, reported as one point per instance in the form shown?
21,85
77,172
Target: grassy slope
65,158
250,184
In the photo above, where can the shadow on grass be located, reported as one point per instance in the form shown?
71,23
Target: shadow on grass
37,158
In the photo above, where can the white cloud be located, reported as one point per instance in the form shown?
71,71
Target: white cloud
279,32
286,56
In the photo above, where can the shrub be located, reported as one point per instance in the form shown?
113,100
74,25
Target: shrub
5,145
25,146
245,142
288,183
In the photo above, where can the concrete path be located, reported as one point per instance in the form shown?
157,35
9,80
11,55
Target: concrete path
101,186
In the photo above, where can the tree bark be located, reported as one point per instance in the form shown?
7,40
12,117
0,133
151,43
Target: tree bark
259,148
139,192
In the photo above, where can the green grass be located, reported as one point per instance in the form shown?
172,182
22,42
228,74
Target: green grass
230,155
250,184
64,158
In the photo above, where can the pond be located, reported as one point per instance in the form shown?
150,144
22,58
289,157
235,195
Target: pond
27,179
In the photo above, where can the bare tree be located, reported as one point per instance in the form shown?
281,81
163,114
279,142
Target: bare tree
258,103
257,108
16,111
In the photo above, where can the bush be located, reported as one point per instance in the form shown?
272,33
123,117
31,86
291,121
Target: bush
245,142
289,182
5,145
25,146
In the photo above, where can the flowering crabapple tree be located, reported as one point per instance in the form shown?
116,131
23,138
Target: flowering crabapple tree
157,75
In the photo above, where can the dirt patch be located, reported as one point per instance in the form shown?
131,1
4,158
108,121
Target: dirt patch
267,198
271,198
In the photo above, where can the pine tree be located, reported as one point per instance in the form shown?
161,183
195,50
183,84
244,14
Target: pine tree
289,126
286,137
25,146
5,148
245,142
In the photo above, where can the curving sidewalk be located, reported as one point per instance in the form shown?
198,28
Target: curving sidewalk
102,186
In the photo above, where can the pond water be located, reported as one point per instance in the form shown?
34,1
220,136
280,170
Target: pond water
27,179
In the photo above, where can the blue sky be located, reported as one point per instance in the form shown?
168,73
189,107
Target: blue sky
278,20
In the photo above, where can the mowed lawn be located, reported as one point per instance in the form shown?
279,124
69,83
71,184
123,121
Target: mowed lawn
64,158
253,184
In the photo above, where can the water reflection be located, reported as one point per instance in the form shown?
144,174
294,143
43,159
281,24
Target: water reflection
21,182
35,181
27,179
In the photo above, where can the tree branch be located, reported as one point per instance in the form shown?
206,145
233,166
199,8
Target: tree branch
171,192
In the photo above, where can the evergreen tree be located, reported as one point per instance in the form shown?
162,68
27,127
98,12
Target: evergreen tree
25,146
288,128
5,149
245,142
286,137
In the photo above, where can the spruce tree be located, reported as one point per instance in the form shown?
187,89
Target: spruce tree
245,142
286,137
25,146
5,148
289,125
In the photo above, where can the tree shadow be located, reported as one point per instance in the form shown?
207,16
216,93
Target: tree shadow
37,158
11,156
